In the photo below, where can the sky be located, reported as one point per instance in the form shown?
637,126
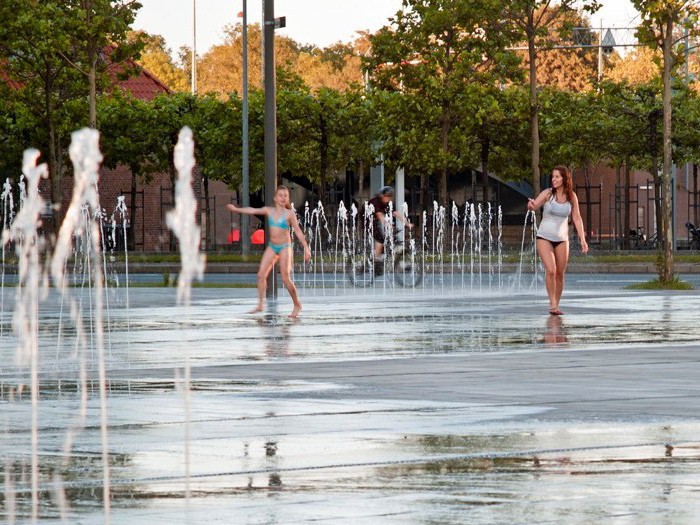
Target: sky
319,22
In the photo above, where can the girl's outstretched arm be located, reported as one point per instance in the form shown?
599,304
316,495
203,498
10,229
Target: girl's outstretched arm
300,235
248,211
536,204
578,222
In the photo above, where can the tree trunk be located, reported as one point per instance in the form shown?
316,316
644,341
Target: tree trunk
324,161
93,89
534,113
207,214
424,191
361,181
444,136
54,167
173,177
667,270
627,204
485,149
132,218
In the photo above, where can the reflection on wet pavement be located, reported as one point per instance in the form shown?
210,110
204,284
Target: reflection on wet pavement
328,443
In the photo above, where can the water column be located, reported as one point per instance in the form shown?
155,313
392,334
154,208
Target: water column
454,244
7,215
183,222
80,218
341,236
500,245
26,316
121,211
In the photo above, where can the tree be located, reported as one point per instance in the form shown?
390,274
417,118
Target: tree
100,30
571,69
156,58
492,129
34,37
434,49
533,19
127,139
637,67
220,70
658,30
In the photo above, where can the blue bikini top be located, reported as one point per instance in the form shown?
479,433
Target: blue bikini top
279,223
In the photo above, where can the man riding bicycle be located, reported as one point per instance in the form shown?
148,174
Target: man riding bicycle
380,203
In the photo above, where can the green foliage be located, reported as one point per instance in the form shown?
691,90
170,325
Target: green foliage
432,53
655,284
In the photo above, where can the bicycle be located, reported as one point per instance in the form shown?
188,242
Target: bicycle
637,239
695,234
363,268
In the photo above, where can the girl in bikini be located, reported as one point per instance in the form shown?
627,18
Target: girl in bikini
559,202
279,219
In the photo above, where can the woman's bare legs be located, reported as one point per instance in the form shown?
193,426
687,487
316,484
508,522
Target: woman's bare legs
561,256
286,262
266,264
546,252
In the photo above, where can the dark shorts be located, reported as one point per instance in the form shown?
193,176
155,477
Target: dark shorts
377,233
379,237
553,243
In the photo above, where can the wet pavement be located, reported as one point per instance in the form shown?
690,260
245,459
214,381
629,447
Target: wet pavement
386,405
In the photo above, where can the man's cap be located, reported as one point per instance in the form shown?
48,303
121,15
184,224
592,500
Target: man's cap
386,190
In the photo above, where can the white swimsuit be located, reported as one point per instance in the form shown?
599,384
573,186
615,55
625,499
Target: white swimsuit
555,221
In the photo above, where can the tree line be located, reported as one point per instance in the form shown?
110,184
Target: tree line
446,85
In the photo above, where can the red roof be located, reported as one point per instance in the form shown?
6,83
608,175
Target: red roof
13,84
143,86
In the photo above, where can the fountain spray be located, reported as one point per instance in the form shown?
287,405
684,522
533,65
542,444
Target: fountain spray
183,222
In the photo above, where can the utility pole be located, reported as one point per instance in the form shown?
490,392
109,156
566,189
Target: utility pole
245,183
262,48
600,52
270,124
194,47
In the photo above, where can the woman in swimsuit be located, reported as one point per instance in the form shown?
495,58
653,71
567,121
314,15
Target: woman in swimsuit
559,202
279,219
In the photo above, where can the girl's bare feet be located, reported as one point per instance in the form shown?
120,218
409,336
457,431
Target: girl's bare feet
257,309
295,311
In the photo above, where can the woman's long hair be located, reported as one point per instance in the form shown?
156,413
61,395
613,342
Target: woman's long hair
280,188
567,182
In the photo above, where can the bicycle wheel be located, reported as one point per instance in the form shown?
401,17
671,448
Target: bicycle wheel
408,271
359,270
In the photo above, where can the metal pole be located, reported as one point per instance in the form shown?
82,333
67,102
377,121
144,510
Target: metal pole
600,52
687,79
245,184
270,124
194,47
262,48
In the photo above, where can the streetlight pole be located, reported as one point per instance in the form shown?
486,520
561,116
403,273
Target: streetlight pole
194,47
245,183
270,123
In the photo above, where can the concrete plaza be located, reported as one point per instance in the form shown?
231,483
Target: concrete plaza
379,406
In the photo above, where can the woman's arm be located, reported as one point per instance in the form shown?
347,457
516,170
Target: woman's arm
300,235
536,204
578,222
248,211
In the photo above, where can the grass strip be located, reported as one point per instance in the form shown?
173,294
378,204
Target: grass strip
656,284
